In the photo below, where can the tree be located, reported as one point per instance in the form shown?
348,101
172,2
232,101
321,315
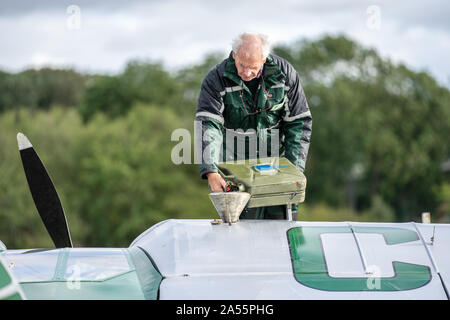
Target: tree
378,127
108,94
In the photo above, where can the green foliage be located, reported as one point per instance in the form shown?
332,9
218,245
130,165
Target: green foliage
443,195
41,89
379,128
150,83
106,94
191,78
146,82
126,180
323,212
141,82
15,91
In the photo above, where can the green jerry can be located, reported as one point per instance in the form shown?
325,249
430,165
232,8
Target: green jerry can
270,181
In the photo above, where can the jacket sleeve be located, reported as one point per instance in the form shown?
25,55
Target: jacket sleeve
209,125
297,122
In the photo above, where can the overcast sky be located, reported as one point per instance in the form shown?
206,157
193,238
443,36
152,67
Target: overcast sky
101,36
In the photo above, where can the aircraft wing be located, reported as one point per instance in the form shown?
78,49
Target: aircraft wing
261,259
251,259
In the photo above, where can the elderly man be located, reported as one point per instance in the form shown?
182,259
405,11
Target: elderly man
256,98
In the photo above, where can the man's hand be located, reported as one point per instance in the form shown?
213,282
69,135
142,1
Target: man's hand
216,182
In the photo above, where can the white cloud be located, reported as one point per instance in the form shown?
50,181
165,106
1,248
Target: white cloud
181,32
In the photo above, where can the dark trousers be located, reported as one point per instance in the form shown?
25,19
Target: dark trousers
272,212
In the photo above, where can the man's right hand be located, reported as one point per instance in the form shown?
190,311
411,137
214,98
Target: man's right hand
216,182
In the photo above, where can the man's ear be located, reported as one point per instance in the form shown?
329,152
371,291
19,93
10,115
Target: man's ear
234,56
264,61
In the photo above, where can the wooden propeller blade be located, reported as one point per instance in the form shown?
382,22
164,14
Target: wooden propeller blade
44,194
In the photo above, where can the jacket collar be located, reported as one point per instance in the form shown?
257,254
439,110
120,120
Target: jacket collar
272,73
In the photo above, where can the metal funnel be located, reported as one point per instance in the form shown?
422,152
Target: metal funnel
229,205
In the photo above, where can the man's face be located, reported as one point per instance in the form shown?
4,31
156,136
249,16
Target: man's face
248,66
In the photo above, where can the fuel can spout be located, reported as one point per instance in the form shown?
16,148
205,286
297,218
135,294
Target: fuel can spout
229,205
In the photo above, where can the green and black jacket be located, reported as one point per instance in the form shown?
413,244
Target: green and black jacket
228,117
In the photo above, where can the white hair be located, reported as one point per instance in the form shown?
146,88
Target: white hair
240,39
